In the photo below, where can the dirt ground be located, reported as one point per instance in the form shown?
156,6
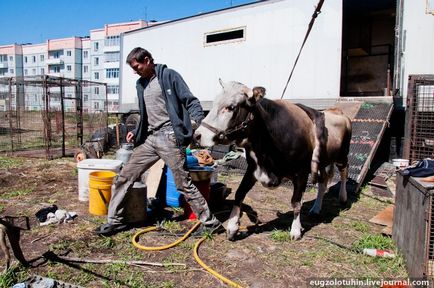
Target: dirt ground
263,256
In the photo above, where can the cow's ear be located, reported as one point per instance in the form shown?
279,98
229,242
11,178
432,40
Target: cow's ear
254,95
221,83
258,92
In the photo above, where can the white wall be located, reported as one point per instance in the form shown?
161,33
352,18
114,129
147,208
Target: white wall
418,33
274,33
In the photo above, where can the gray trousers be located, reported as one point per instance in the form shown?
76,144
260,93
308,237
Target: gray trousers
161,144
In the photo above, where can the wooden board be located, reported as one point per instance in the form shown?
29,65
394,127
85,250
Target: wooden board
153,178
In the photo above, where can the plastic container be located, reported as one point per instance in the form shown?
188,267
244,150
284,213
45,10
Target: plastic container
87,166
379,253
100,191
173,196
124,153
400,163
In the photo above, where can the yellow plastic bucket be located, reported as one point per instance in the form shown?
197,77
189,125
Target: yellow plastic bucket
100,190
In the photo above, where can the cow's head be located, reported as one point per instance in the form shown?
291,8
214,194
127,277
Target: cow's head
230,114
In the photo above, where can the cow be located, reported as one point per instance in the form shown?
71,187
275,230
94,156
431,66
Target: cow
281,140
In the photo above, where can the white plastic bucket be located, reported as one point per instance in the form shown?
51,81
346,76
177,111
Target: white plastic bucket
87,166
400,163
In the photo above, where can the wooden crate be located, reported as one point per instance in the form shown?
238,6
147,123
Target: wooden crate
412,225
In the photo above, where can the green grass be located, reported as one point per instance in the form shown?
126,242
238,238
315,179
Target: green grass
171,226
8,163
280,235
13,275
2,208
17,193
374,241
360,226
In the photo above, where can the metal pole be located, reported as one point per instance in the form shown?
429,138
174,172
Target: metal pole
11,128
62,107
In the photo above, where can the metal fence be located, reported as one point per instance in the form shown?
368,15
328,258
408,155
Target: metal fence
419,122
49,116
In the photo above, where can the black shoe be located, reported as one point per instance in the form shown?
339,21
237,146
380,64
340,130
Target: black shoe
204,230
108,229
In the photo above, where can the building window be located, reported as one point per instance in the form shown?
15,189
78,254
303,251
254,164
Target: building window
85,97
112,41
68,53
25,59
11,71
96,61
227,36
34,59
96,90
56,55
25,72
112,73
96,75
85,69
95,46
85,54
96,105
33,71
112,89
68,67
3,58
56,69
11,58
112,57
42,58
42,71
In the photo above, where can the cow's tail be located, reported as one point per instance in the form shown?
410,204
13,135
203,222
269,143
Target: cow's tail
320,145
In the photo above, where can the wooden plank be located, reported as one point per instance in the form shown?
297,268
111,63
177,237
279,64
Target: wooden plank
154,177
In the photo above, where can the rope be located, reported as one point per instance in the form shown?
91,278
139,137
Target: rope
312,21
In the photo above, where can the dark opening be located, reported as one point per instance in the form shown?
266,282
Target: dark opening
368,43
225,36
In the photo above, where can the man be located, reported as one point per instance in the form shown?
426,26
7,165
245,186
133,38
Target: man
164,131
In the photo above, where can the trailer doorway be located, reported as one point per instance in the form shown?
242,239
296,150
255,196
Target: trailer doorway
368,44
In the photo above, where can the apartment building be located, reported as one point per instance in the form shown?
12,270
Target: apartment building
104,52
11,60
94,58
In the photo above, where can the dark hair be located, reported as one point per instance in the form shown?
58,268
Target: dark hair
139,54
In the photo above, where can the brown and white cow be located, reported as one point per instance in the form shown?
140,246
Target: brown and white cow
282,140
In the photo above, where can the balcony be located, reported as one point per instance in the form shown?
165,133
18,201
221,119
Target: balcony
113,48
54,61
3,65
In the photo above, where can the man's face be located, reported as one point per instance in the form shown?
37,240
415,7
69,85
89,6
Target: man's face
145,69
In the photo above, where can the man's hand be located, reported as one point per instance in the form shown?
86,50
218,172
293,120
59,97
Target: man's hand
130,137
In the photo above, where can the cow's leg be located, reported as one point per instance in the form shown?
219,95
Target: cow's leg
326,175
300,183
4,246
234,219
343,171
322,188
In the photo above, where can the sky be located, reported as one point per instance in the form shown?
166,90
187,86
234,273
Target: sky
35,21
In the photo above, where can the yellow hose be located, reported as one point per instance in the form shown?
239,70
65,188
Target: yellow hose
207,268
195,250
159,248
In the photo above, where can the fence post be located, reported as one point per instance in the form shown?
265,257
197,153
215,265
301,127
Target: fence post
11,128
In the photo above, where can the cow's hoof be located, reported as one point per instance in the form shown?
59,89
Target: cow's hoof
231,235
295,235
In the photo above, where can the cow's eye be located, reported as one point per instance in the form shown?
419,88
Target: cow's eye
230,108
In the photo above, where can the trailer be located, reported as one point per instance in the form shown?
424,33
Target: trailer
355,49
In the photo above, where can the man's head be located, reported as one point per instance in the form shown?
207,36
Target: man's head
141,61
